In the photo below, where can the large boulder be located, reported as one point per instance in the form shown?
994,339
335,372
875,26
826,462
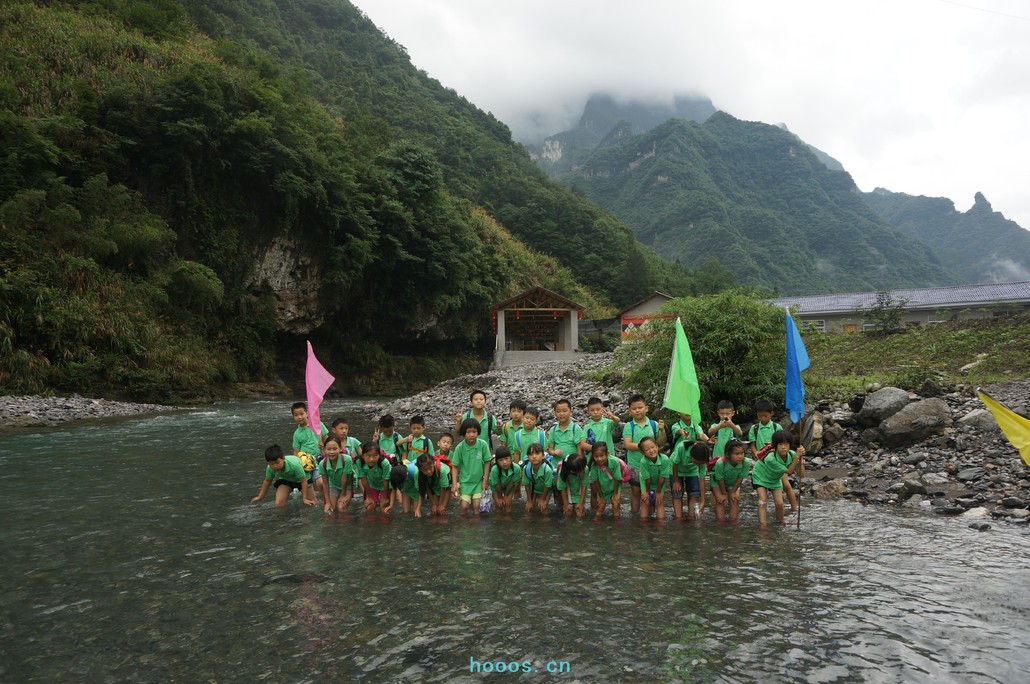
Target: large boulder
882,404
915,422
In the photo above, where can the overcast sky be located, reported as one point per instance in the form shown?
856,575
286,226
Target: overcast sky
927,97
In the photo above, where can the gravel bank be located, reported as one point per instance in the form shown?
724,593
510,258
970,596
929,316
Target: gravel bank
36,411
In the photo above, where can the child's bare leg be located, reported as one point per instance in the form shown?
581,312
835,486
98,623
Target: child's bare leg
762,513
370,504
789,491
282,495
734,509
445,501
659,506
343,501
720,506
644,507
635,500
778,502
406,503
690,508
677,507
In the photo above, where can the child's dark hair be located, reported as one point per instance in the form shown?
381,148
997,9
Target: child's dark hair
700,453
724,404
398,474
562,401
533,411
533,448
298,405
475,392
594,400
733,445
782,437
640,444
386,421
425,482
333,438
502,452
517,404
273,453
448,436
763,406
340,420
469,424
576,463
634,398
599,446
370,446
417,420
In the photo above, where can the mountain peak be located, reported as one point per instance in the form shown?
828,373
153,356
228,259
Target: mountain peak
980,203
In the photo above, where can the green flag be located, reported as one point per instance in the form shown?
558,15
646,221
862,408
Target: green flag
682,392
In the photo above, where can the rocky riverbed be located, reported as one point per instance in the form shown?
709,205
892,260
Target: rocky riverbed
937,449
36,411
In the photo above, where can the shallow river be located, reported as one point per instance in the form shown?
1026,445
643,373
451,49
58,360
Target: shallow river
131,553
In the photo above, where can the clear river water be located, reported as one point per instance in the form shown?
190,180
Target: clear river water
131,553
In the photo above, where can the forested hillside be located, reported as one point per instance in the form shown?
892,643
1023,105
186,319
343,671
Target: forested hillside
980,245
755,197
187,189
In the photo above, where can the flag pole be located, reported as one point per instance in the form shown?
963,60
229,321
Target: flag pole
801,466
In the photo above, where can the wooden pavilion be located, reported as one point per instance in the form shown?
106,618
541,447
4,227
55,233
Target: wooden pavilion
536,325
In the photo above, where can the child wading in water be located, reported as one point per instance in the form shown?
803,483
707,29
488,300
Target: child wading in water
434,481
655,469
505,477
767,474
336,470
471,465
285,473
538,477
373,473
690,478
729,473
572,485
605,480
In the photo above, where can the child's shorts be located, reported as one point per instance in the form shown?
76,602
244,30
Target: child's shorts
469,498
689,486
374,494
333,491
289,483
634,477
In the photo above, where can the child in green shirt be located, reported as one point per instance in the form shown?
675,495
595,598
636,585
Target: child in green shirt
639,427
729,473
538,478
351,446
505,476
373,473
388,440
516,412
285,473
572,485
565,438
761,434
690,477
471,465
477,412
655,469
684,430
434,481
605,480
417,442
767,474
335,470
529,434
602,424
722,432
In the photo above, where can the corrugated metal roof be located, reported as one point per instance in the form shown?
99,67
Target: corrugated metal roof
930,297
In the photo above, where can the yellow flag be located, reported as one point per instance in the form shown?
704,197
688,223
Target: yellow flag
1015,426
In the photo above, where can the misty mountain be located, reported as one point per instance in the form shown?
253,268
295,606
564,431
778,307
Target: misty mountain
757,198
979,245
605,121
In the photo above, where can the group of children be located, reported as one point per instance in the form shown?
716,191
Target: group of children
530,463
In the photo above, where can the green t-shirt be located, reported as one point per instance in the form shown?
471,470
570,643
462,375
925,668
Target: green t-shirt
410,486
692,430
304,440
652,471
523,439
353,446
336,472
389,443
292,470
378,476
684,466
511,476
540,479
768,471
575,482
637,432
508,430
487,426
604,431
722,437
730,474
607,480
469,460
442,482
759,435
566,440
417,447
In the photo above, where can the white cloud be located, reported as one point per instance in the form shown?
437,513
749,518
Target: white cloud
918,96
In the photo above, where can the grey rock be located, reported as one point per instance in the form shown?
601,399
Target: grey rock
832,433
914,487
912,459
967,503
980,526
1012,502
971,474
1019,514
935,478
881,405
929,388
980,419
869,436
948,509
914,422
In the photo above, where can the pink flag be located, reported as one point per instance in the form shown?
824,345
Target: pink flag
316,381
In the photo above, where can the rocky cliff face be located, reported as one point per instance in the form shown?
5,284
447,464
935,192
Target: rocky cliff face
286,270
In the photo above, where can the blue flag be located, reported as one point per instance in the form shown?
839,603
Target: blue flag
797,361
